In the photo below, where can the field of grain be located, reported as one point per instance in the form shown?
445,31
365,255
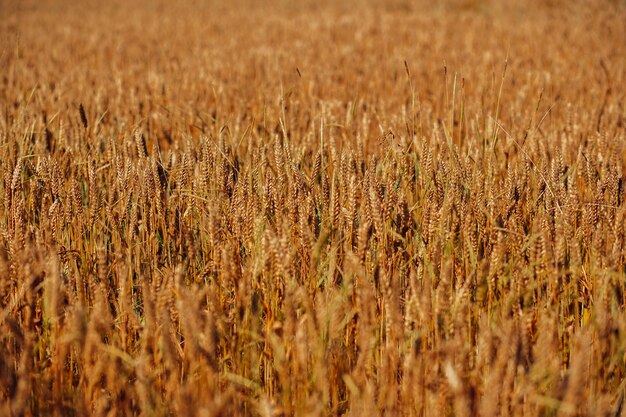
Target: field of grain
276,208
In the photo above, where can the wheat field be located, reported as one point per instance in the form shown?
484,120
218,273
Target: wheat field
271,208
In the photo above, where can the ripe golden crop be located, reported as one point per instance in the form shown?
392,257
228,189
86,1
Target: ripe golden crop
314,208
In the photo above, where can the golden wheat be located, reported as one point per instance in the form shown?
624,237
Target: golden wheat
329,208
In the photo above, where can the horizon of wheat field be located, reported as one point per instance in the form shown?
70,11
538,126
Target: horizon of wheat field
313,208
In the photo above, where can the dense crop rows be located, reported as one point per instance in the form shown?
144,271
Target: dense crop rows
365,208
